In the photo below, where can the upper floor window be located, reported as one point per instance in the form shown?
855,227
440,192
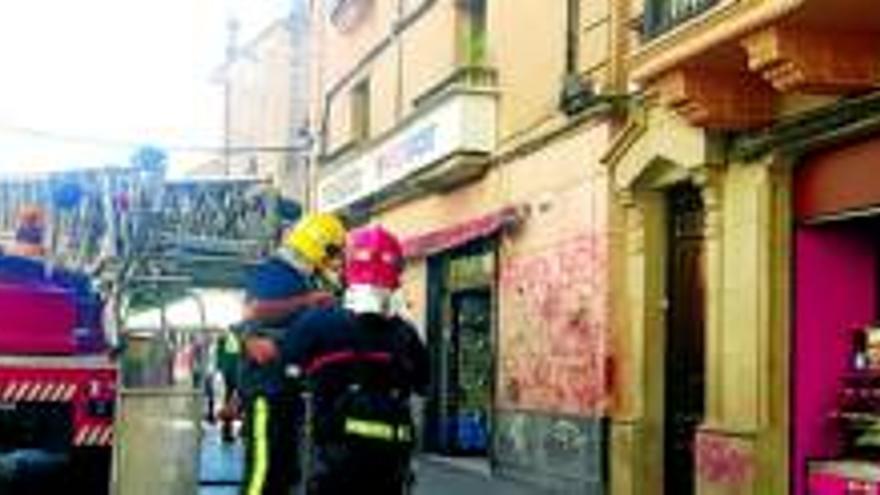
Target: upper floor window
360,111
347,14
472,31
663,15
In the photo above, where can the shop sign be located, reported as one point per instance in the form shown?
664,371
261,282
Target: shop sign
463,123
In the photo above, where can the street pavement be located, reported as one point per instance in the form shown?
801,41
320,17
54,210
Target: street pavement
222,465
433,479
442,477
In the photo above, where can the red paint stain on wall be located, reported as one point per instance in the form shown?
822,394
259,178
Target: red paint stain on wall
554,317
721,461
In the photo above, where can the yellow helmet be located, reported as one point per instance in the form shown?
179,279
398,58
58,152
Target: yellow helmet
317,237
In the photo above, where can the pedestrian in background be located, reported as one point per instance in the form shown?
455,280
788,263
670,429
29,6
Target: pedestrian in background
228,358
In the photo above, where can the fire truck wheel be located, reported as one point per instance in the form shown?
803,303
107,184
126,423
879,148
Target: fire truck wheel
90,470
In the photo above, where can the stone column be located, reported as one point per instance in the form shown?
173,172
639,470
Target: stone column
637,433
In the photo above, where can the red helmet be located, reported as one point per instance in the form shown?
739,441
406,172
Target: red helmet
373,257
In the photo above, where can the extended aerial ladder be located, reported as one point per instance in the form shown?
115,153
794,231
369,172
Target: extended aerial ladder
144,241
132,228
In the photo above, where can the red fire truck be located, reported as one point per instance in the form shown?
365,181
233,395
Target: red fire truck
143,238
57,380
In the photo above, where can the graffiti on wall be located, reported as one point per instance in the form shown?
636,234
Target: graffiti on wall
554,327
564,440
515,441
721,461
565,449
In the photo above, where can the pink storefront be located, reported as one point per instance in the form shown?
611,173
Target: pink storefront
836,358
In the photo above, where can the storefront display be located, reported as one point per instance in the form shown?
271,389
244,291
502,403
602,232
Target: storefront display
859,413
844,478
857,419
836,373
872,348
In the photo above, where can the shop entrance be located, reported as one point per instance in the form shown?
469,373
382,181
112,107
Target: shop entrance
835,381
836,300
461,302
470,368
685,338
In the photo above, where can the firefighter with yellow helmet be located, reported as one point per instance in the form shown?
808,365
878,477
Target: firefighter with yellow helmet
276,293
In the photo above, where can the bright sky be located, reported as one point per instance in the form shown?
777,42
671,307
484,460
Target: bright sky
113,70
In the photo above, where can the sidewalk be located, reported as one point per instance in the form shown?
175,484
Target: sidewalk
221,468
221,465
451,476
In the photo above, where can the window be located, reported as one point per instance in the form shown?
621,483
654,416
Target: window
472,31
360,111
663,15
347,14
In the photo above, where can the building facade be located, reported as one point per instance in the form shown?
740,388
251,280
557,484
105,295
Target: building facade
265,83
743,276
481,146
640,232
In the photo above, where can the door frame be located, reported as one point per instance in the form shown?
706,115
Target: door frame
645,266
438,300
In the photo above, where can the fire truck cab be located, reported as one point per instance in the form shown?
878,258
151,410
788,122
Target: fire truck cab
57,379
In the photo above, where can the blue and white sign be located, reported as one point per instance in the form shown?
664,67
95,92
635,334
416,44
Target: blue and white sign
465,122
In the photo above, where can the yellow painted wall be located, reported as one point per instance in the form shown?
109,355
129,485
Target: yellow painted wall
527,46
435,211
565,189
415,286
385,88
339,130
342,48
429,51
594,47
544,180
554,312
428,55
530,68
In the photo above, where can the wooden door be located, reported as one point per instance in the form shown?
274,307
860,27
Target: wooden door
685,338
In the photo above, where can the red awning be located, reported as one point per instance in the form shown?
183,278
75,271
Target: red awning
838,182
450,237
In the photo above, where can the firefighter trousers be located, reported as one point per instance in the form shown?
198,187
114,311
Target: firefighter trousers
337,470
272,427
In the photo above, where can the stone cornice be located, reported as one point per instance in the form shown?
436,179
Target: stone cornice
849,118
814,61
724,23
717,100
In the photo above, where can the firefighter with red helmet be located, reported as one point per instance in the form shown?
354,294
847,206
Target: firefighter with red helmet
361,364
